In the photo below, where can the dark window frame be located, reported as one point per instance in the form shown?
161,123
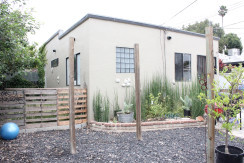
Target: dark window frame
203,70
75,70
181,69
54,63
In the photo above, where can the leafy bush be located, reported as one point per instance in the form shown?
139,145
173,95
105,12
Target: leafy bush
156,108
18,82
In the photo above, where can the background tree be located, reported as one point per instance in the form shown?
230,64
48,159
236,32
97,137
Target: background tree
199,27
222,12
16,53
231,40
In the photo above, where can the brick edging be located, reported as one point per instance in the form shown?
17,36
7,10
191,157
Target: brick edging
145,125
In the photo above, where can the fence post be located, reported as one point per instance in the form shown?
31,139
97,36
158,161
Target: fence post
138,96
210,93
71,97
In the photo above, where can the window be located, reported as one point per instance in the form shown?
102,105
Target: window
54,63
76,70
201,65
125,60
182,67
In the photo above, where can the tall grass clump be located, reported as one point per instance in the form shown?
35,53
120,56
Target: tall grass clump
101,107
197,105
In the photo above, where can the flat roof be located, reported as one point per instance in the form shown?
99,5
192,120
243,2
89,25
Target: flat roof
99,17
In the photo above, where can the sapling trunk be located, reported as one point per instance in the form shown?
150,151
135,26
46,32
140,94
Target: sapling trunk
226,135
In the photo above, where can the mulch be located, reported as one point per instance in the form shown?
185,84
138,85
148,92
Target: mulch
186,145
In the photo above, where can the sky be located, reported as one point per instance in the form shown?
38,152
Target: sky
62,14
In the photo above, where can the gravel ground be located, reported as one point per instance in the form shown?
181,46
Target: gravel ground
177,145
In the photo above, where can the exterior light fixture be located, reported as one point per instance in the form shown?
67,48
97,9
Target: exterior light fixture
54,50
169,37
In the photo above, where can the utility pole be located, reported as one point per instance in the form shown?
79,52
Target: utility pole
210,93
138,96
71,97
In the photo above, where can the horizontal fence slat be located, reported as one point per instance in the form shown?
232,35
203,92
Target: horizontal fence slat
17,105
40,102
67,97
8,116
18,122
77,111
67,117
44,108
40,97
11,110
36,92
40,114
41,120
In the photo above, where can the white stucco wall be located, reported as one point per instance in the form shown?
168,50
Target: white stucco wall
96,41
61,46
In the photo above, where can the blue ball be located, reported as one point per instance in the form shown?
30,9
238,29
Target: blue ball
9,131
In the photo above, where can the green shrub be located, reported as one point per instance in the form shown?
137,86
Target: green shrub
18,82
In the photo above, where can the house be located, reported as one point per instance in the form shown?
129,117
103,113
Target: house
104,55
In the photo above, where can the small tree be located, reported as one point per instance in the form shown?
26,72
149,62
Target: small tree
228,100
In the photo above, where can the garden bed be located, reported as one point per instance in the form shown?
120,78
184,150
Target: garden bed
177,145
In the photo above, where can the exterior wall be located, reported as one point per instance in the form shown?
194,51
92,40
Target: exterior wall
107,35
96,41
56,77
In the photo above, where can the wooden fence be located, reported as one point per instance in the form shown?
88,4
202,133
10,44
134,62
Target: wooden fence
38,108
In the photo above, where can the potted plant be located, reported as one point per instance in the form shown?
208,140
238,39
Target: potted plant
229,104
126,115
187,105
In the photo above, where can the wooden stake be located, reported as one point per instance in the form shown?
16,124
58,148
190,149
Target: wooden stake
138,96
210,93
71,97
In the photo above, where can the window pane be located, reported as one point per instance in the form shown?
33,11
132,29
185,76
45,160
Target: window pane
117,54
117,59
127,55
131,60
122,55
127,66
127,61
67,71
122,65
117,49
187,67
187,75
178,66
132,65
131,50
78,69
118,70
127,70
131,55
122,50
123,70
117,65
132,70
122,60
127,50
201,65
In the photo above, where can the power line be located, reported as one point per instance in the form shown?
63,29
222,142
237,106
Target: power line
180,11
231,8
234,23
